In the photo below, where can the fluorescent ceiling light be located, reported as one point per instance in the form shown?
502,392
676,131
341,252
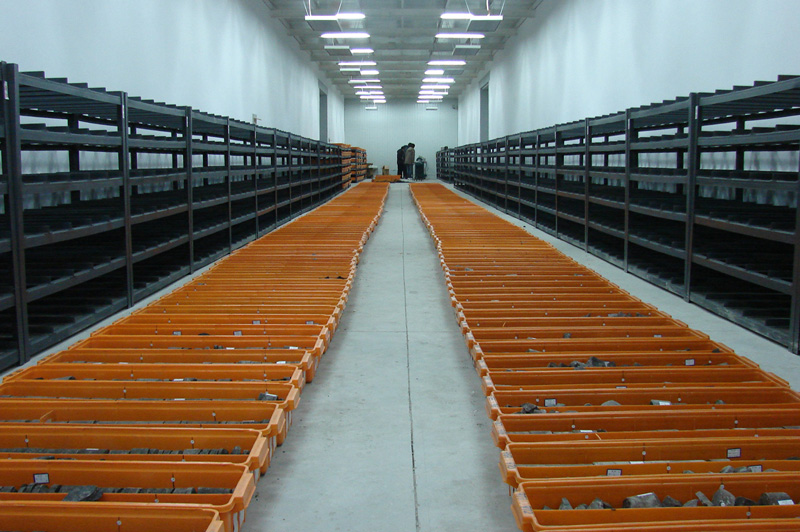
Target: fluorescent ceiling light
435,86
363,81
372,97
456,16
362,50
369,72
457,35
438,80
363,93
432,71
357,63
345,35
376,92
432,93
446,62
373,108
349,69
351,16
431,108
378,101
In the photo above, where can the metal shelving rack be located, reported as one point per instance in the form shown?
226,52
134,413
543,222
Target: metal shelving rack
698,195
109,198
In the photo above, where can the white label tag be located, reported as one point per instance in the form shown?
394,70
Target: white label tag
689,362
310,322
662,403
281,362
41,478
736,452
177,380
293,347
613,472
550,402
237,333
786,502
176,333
256,322
755,468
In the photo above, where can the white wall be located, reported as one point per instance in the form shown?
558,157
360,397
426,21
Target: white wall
583,58
223,57
396,123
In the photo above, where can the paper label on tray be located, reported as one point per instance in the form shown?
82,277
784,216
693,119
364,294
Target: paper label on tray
736,452
613,472
256,322
41,478
755,468
237,333
689,362
786,502
550,402
176,333
662,403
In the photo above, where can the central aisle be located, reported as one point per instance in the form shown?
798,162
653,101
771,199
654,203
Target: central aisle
392,434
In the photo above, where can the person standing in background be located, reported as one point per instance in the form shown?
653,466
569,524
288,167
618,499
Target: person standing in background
410,156
401,160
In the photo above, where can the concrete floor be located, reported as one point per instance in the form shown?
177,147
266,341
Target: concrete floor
392,434
768,354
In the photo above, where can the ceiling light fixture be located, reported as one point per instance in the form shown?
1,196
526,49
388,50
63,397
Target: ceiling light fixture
345,35
349,69
352,81
460,35
370,72
446,62
338,50
435,86
350,16
432,71
456,16
438,80
357,63
362,50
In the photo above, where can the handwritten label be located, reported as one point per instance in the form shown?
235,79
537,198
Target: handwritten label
613,472
550,402
689,362
41,478
736,452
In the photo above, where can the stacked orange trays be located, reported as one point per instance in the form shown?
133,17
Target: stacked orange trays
604,406
183,402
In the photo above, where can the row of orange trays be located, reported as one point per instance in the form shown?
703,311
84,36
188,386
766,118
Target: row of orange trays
313,345
154,318
521,362
224,487
535,503
268,418
32,516
616,399
521,462
215,331
114,371
301,360
665,423
284,395
246,447
583,348
501,381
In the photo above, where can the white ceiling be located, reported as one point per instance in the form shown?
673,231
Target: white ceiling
402,35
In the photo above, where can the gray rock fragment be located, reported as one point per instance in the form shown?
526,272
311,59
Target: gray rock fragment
703,499
611,402
565,505
599,504
773,498
744,501
83,494
691,504
670,502
723,497
645,500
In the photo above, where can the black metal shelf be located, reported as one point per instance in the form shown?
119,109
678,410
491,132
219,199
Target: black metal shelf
698,195
120,196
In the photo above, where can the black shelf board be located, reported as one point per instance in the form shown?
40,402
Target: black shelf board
657,246
157,215
753,138
210,230
607,230
606,202
655,279
757,278
31,134
150,143
62,235
41,342
786,237
64,181
159,248
658,213
144,177
738,316
6,301
79,277
142,293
